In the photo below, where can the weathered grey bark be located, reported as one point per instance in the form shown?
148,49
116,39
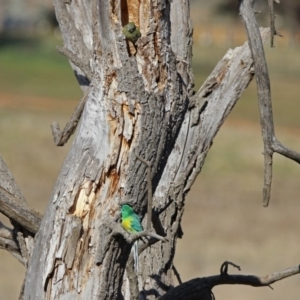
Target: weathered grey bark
136,103
139,101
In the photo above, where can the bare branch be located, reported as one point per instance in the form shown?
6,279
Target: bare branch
252,280
79,62
7,242
74,37
271,145
19,212
136,236
199,127
289,153
130,238
224,267
95,26
61,137
200,288
272,21
23,248
8,183
177,275
263,90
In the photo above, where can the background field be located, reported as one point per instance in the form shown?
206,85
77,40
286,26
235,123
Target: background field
224,218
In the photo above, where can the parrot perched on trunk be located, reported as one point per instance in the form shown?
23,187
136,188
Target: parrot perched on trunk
131,223
132,32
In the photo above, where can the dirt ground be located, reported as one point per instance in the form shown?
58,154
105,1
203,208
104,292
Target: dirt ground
224,218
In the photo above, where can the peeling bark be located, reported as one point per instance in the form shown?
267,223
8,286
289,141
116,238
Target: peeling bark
140,101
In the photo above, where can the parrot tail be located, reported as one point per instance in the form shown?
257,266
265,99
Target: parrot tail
136,256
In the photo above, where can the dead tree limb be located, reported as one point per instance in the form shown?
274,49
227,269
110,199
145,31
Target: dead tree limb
210,107
61,137
272,21
19,211
13,204
9,243
76,48
84,66
8,183
252,280
271,145
200,288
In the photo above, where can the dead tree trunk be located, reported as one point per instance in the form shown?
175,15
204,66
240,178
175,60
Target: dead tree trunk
139,101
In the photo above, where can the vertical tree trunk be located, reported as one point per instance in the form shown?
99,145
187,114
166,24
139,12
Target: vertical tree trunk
139,101
136,101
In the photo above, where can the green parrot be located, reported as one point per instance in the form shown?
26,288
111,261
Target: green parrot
132,32
131,223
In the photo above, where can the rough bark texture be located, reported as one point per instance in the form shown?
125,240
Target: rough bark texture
139,101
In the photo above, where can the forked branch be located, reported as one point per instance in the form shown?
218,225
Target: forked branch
271,144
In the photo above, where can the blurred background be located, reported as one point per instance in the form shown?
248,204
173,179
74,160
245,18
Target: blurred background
224,218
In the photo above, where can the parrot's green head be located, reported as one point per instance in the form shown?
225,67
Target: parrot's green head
126,211
130,27
132,32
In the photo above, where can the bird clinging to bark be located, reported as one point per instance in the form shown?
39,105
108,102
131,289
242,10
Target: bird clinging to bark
132,32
